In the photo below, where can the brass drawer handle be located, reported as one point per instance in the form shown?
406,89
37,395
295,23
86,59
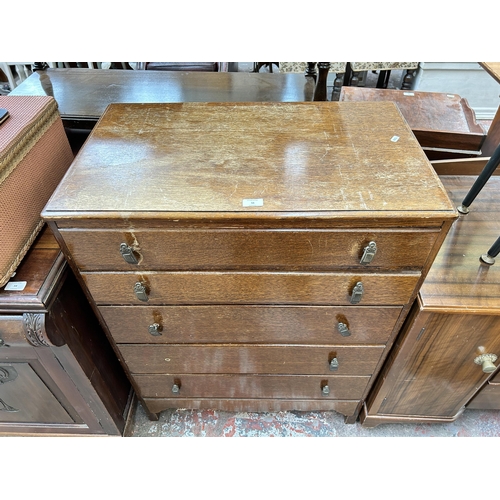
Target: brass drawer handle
486,360
343,329
357,293
141,292
334,365
325,390
155,329
368,253
128,254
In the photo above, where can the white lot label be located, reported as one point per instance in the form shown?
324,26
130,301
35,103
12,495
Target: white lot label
15,285
253,202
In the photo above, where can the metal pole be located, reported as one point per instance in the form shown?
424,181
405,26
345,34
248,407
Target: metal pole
489,258
483,177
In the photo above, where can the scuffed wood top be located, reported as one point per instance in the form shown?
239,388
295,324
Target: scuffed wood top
209,157
457,280
433,111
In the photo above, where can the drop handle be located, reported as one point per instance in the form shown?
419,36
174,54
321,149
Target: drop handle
334,365
368,253
176,388
486,360
343,329
128,254
325,390
357,293
141,292
155,329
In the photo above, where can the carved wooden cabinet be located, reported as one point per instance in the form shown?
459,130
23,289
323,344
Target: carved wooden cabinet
449,346
58,373
251,256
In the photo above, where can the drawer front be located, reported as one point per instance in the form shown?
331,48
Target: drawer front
300,360
251,386
250,288
250,324
197,249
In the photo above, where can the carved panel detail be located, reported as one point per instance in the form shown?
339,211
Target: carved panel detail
34,329
7,374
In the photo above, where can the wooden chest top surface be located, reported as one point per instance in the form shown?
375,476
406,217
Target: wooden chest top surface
360,158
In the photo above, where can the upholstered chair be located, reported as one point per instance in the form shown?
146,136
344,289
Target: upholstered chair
385,68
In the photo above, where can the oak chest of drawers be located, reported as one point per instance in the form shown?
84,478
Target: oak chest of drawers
251,256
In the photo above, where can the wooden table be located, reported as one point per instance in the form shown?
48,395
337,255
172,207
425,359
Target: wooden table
493,138
265,269
84,94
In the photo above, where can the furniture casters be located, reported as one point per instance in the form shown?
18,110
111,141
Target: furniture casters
489,257
486,360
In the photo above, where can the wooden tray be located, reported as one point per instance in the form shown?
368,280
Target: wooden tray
439,121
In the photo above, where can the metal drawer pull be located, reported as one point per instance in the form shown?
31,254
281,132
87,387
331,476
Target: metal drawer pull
155,329
140,291
344,330
486,360
325,390
176,388
334,364
357,293
369,253
128,254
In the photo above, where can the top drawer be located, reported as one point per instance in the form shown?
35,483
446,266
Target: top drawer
297,249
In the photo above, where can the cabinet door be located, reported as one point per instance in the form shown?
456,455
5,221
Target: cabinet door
434,373
38,396
24,397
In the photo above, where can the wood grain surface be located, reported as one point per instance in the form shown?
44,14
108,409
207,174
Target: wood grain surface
434,372
250,324
42,406
251,288
85,93
458,281
249,249
33,270
438,120
252,386
295,157
263,359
